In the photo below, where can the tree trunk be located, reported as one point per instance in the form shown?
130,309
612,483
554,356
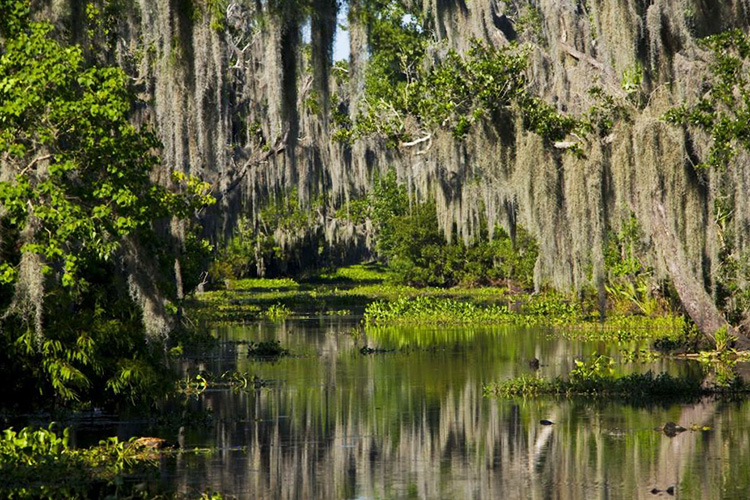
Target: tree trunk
693,296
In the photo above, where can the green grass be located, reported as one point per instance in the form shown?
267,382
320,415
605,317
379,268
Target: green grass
262,284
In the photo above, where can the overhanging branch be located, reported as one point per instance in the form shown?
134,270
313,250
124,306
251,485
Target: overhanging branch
278,148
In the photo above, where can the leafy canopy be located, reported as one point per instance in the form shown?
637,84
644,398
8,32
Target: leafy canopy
81,171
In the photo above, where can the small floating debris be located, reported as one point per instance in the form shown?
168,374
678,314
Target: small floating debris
669,491
153,443
149,448
372,350
671,429
546,422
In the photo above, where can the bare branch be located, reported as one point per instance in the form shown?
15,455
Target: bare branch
418,141
276,150
607,71
34,162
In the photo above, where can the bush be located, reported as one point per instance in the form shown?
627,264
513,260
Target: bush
408,239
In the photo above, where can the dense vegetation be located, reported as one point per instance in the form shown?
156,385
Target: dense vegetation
81,216
451,164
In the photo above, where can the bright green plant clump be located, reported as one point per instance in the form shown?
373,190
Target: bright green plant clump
408,239
40,464
638,387
544,309
430,310
595,377
278,312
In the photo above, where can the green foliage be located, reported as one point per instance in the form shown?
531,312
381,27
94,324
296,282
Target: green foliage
40,464
278,312
256,250
594,379
724,111
217,9
97,189
80,187
724,339
431,310
238,256
358,273
97,359
408,238
601,117
15,17
629,281
534,310
631,81
397,43
595,369
404,81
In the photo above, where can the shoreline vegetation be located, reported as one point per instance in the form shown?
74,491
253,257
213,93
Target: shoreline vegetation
367,289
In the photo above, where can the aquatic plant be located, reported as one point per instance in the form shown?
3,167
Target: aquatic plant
41,464
434,311
277,312
636,386
595,377
266,349
233,379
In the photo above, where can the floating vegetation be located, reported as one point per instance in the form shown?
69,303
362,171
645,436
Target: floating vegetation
595,378
431,310
39,463
637,386
358,273
262,284
569,320
222,306
266,349
278,312
233,379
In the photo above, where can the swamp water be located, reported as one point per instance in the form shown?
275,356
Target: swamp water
333,423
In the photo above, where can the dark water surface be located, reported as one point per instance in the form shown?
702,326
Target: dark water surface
333,423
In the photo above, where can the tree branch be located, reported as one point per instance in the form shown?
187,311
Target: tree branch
276,150
607,71
34,162
418,141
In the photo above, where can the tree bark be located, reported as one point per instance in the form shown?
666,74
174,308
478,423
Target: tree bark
693,296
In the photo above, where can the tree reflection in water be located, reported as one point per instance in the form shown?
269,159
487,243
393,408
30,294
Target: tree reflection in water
413,423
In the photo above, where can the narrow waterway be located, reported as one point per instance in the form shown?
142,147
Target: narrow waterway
330,422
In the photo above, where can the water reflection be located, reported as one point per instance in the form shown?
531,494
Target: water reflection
412,423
